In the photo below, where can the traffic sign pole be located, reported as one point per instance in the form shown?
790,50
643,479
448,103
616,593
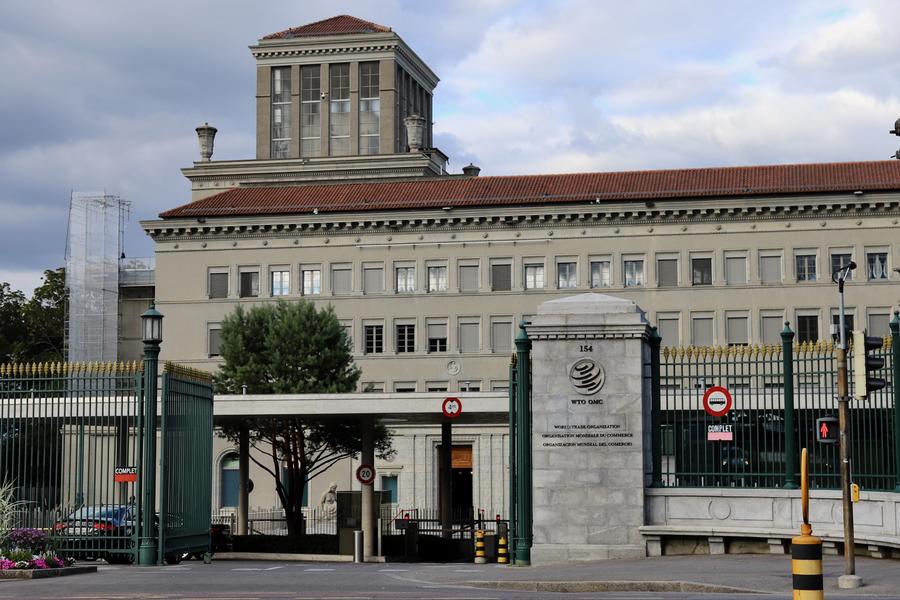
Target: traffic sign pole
844,425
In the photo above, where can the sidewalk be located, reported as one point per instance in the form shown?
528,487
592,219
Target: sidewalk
749,572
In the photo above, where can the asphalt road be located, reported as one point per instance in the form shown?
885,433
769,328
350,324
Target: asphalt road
272,580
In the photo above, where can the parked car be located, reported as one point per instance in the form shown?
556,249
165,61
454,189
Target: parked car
103,531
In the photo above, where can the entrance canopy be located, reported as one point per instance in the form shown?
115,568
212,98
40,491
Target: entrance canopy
399,408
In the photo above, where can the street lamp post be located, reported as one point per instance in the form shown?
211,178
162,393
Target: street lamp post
151,327
849,579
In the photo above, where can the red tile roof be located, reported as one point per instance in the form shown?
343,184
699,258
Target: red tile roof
462,192
339,25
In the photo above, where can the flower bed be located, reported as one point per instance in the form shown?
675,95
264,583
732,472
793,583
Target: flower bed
29,549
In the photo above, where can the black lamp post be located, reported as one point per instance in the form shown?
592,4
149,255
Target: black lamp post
151,328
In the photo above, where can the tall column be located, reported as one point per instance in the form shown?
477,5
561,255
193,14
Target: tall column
446,484
244,476
367,457
590,434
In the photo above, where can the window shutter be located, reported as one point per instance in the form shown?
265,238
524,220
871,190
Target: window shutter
468,337
342,279
468,278
770,269
879,324
702,331
215,342
218,285
736,270
437,331
736,330
501,337
373,280
668,272
501,277
668,330
771,330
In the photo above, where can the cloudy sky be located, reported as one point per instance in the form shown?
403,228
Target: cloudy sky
105,94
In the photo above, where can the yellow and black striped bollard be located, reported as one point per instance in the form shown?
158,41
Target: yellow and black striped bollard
480,557
502,552
806,565
806,549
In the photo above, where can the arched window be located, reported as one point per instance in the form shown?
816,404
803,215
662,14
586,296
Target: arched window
229,480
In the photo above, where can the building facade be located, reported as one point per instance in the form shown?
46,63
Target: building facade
348,204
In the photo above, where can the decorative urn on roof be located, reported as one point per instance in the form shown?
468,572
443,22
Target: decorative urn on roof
206,135
415,132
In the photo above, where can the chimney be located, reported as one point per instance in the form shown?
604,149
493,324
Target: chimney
206,135
471,170
415,132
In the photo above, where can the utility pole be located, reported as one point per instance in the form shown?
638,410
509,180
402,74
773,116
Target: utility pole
849,579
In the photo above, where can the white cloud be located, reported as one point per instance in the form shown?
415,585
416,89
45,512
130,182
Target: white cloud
24,281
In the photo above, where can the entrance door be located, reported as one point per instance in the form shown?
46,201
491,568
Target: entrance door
461,478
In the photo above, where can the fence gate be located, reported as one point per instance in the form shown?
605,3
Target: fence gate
185,462
71,452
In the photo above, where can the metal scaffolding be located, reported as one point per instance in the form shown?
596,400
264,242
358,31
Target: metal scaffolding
94,244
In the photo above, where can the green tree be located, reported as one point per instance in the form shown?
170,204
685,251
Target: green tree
12,323
292,348
45,319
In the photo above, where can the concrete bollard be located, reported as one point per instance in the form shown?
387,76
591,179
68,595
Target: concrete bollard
358,546
480,557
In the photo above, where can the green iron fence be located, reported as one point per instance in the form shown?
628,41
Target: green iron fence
71,446
778,393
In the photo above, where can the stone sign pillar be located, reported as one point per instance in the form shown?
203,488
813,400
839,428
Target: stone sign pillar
590,428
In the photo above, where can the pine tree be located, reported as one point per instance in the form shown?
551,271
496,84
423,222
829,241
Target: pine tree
292,348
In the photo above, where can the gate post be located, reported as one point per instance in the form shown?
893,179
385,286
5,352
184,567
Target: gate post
523,449
655,342
787,356
513,504
895,367
152,336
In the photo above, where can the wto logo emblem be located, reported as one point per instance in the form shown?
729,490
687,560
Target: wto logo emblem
587,376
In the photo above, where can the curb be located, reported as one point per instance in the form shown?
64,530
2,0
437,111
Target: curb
611,586
46,573
292,557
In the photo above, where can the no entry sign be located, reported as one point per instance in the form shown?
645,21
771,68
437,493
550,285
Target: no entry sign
451,407
365,474
717,401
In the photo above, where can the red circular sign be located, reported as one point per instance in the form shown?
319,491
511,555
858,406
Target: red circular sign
717,401
365,474
451,407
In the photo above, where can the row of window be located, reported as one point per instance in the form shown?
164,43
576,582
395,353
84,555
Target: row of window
404,280
468,336
311,97
402,387
737,329
697,329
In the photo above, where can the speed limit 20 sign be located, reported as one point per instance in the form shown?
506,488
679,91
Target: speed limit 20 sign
365,474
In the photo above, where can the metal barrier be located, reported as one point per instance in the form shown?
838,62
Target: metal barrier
778,393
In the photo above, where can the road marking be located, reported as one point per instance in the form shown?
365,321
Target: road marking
257,569
317,570
393,570
467,571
